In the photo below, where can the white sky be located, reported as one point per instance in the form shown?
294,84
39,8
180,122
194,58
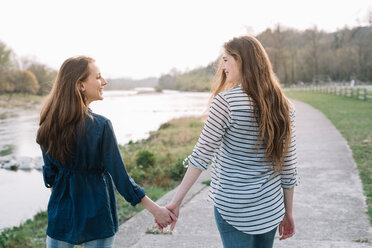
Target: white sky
138,38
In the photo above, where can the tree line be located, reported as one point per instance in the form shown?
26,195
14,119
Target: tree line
23,75
195,80
298,56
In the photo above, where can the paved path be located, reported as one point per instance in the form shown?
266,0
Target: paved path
329,204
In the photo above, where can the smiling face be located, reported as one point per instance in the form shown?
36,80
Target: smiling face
92,87
231,69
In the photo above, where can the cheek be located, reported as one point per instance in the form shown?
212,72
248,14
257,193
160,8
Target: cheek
236,70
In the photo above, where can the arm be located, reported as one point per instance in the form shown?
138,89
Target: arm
126,186
289,180
188,180
219,119
288,174
112,161
210,139
288,200
287,226
50,171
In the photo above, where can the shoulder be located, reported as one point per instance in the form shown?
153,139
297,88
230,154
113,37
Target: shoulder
99,118
234,93
237,98
227,94
99,121
292,110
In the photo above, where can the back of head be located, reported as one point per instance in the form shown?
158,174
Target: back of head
64,109
271,106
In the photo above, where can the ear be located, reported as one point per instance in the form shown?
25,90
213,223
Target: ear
82,86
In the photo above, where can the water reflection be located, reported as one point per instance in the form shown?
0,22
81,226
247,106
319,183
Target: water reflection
22,195
6,150
18,133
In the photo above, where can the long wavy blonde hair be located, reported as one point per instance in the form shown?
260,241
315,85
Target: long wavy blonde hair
65,109
272,108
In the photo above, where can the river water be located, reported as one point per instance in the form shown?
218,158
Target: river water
133,114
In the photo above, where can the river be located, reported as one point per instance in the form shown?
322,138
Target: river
134,114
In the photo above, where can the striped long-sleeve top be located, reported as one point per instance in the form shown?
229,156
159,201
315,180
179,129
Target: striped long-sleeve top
244,188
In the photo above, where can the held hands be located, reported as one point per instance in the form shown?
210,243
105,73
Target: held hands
287,227
173,210
164,217
188,180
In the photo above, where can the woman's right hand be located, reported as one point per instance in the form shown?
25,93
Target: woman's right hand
175,209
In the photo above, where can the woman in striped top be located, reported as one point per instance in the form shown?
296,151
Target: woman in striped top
249,140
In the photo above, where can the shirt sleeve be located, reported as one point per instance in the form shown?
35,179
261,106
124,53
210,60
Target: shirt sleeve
289,176
209,141
50,171
114,164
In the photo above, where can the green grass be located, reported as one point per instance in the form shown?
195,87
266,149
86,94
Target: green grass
166,147
353,118
207,182
169,145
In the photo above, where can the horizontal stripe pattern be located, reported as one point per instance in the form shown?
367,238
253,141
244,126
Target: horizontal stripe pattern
244,187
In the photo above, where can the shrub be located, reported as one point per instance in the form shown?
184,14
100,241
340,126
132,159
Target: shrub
138,174
177,170
145,158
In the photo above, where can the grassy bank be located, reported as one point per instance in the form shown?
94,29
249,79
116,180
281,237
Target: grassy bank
353,118
154,163
20,101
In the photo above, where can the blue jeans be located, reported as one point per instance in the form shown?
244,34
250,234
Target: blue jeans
233,238
98,243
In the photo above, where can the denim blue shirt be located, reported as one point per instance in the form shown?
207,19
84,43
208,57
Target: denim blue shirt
82,206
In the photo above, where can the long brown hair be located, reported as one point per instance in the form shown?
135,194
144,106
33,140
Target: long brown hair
272,108
64,109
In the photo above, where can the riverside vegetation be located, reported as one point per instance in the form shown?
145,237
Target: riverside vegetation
20,101
154,163
353,119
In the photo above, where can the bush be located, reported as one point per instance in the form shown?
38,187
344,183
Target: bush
177,170
138,174
165,126
145,158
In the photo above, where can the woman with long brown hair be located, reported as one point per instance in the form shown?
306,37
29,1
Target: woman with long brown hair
249,139
82,161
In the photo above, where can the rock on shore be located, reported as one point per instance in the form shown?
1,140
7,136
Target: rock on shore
21,162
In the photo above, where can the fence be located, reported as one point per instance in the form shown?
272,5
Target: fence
352,92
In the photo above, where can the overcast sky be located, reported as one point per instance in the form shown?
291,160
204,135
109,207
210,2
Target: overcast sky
138,38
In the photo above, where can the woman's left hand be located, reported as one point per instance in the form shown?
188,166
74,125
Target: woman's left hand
287,227
164,217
